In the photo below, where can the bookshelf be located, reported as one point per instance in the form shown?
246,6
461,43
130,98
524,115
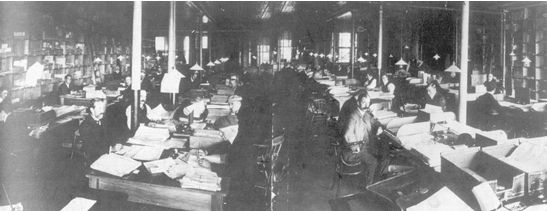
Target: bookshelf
60,55
526,53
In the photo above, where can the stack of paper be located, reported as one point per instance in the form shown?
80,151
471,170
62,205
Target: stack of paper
142,153
149,136
225,91
529,156
202,179
230,132
116,165
216,106
442,200
208,133
159,166
486,197
219,99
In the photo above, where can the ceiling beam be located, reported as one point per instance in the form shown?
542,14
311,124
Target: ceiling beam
202,9
438,8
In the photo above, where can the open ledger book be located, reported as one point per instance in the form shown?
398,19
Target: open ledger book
149,136
116,165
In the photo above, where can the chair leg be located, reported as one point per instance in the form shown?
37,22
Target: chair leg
338,186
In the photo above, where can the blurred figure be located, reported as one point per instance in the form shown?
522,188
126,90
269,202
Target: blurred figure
386,85
92,131
67,86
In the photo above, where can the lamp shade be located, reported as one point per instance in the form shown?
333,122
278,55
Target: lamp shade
453,69
401,62
361,59
217,61
210,64
98,60
196,67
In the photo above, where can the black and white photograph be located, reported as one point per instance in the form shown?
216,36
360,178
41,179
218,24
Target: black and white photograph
273,105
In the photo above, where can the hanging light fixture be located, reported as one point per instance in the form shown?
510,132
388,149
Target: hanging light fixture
361,59
366,53
196,67
321,55
526,61
217,61
375,55
390,55
401,62
210,64
436,57
329,56
98,60
453,68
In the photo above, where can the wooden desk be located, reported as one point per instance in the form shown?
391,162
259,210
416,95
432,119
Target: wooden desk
159,191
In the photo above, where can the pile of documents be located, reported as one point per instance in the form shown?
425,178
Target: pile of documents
444,199
116,165
202,139
529,156
202,179
219,99
140,152
150,136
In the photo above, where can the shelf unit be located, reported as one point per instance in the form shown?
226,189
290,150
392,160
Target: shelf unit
62,55
526,30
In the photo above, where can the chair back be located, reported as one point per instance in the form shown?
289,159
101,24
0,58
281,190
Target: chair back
319,106
277,142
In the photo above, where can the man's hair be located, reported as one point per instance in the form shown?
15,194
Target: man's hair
490,86
67,75
434,84
362,94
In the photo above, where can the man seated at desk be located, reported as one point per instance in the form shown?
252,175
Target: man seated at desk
347,109
487,106
493,81
360,137
67,86
229,124
371,81
144,116
386,85
197,108
433,96
92,130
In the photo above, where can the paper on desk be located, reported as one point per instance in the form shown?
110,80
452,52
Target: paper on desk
114,164
530,156
150,134
442,200
432,152
79,204
13,207
432,108
486,197
159,166
217,106
142,153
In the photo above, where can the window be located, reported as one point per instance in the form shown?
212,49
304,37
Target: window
204,41
285,46
263,54
344,46
186,47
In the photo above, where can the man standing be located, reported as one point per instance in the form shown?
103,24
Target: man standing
360,137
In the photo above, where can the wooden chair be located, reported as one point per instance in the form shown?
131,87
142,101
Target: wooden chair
76,147
269,154
372,201
343,168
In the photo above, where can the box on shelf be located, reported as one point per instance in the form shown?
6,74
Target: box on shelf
470,167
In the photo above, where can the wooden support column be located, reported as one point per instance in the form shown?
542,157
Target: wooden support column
380,40
200,40
352,49
462,115
172,53
136,61
503,48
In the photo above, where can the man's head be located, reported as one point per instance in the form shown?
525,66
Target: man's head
235,103
363,100
127,80
142,99
97,108
3,93
432,88
234,80
490,87
68,78
385,79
